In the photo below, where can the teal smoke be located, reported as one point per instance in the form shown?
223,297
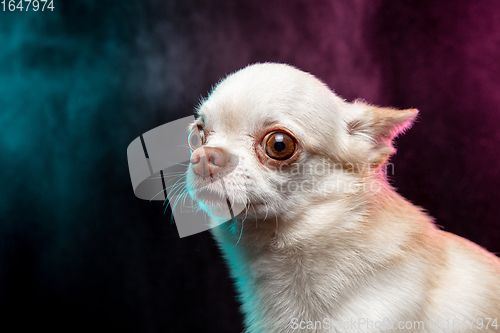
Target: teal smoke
59,114
66,117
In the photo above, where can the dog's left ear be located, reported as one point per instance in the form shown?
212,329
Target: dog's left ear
379,126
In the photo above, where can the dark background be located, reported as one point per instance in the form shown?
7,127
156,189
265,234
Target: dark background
78,252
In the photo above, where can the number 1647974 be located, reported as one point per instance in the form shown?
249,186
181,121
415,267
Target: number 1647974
26,5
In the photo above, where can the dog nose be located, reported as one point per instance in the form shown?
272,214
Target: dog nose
208,161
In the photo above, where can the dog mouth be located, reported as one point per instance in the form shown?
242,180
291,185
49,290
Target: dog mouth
211,198
218,205
216,199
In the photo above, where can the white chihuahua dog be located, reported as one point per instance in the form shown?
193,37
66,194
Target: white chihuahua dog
323,242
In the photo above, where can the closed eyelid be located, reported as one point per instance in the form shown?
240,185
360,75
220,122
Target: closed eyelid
193,125
197,122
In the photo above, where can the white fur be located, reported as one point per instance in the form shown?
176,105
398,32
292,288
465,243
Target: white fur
350,252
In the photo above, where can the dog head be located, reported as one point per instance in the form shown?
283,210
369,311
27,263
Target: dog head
273,139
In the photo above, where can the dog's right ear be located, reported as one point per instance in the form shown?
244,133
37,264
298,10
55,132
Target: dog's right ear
379,126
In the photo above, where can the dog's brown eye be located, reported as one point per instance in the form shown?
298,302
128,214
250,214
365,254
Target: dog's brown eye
279,146
196,138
